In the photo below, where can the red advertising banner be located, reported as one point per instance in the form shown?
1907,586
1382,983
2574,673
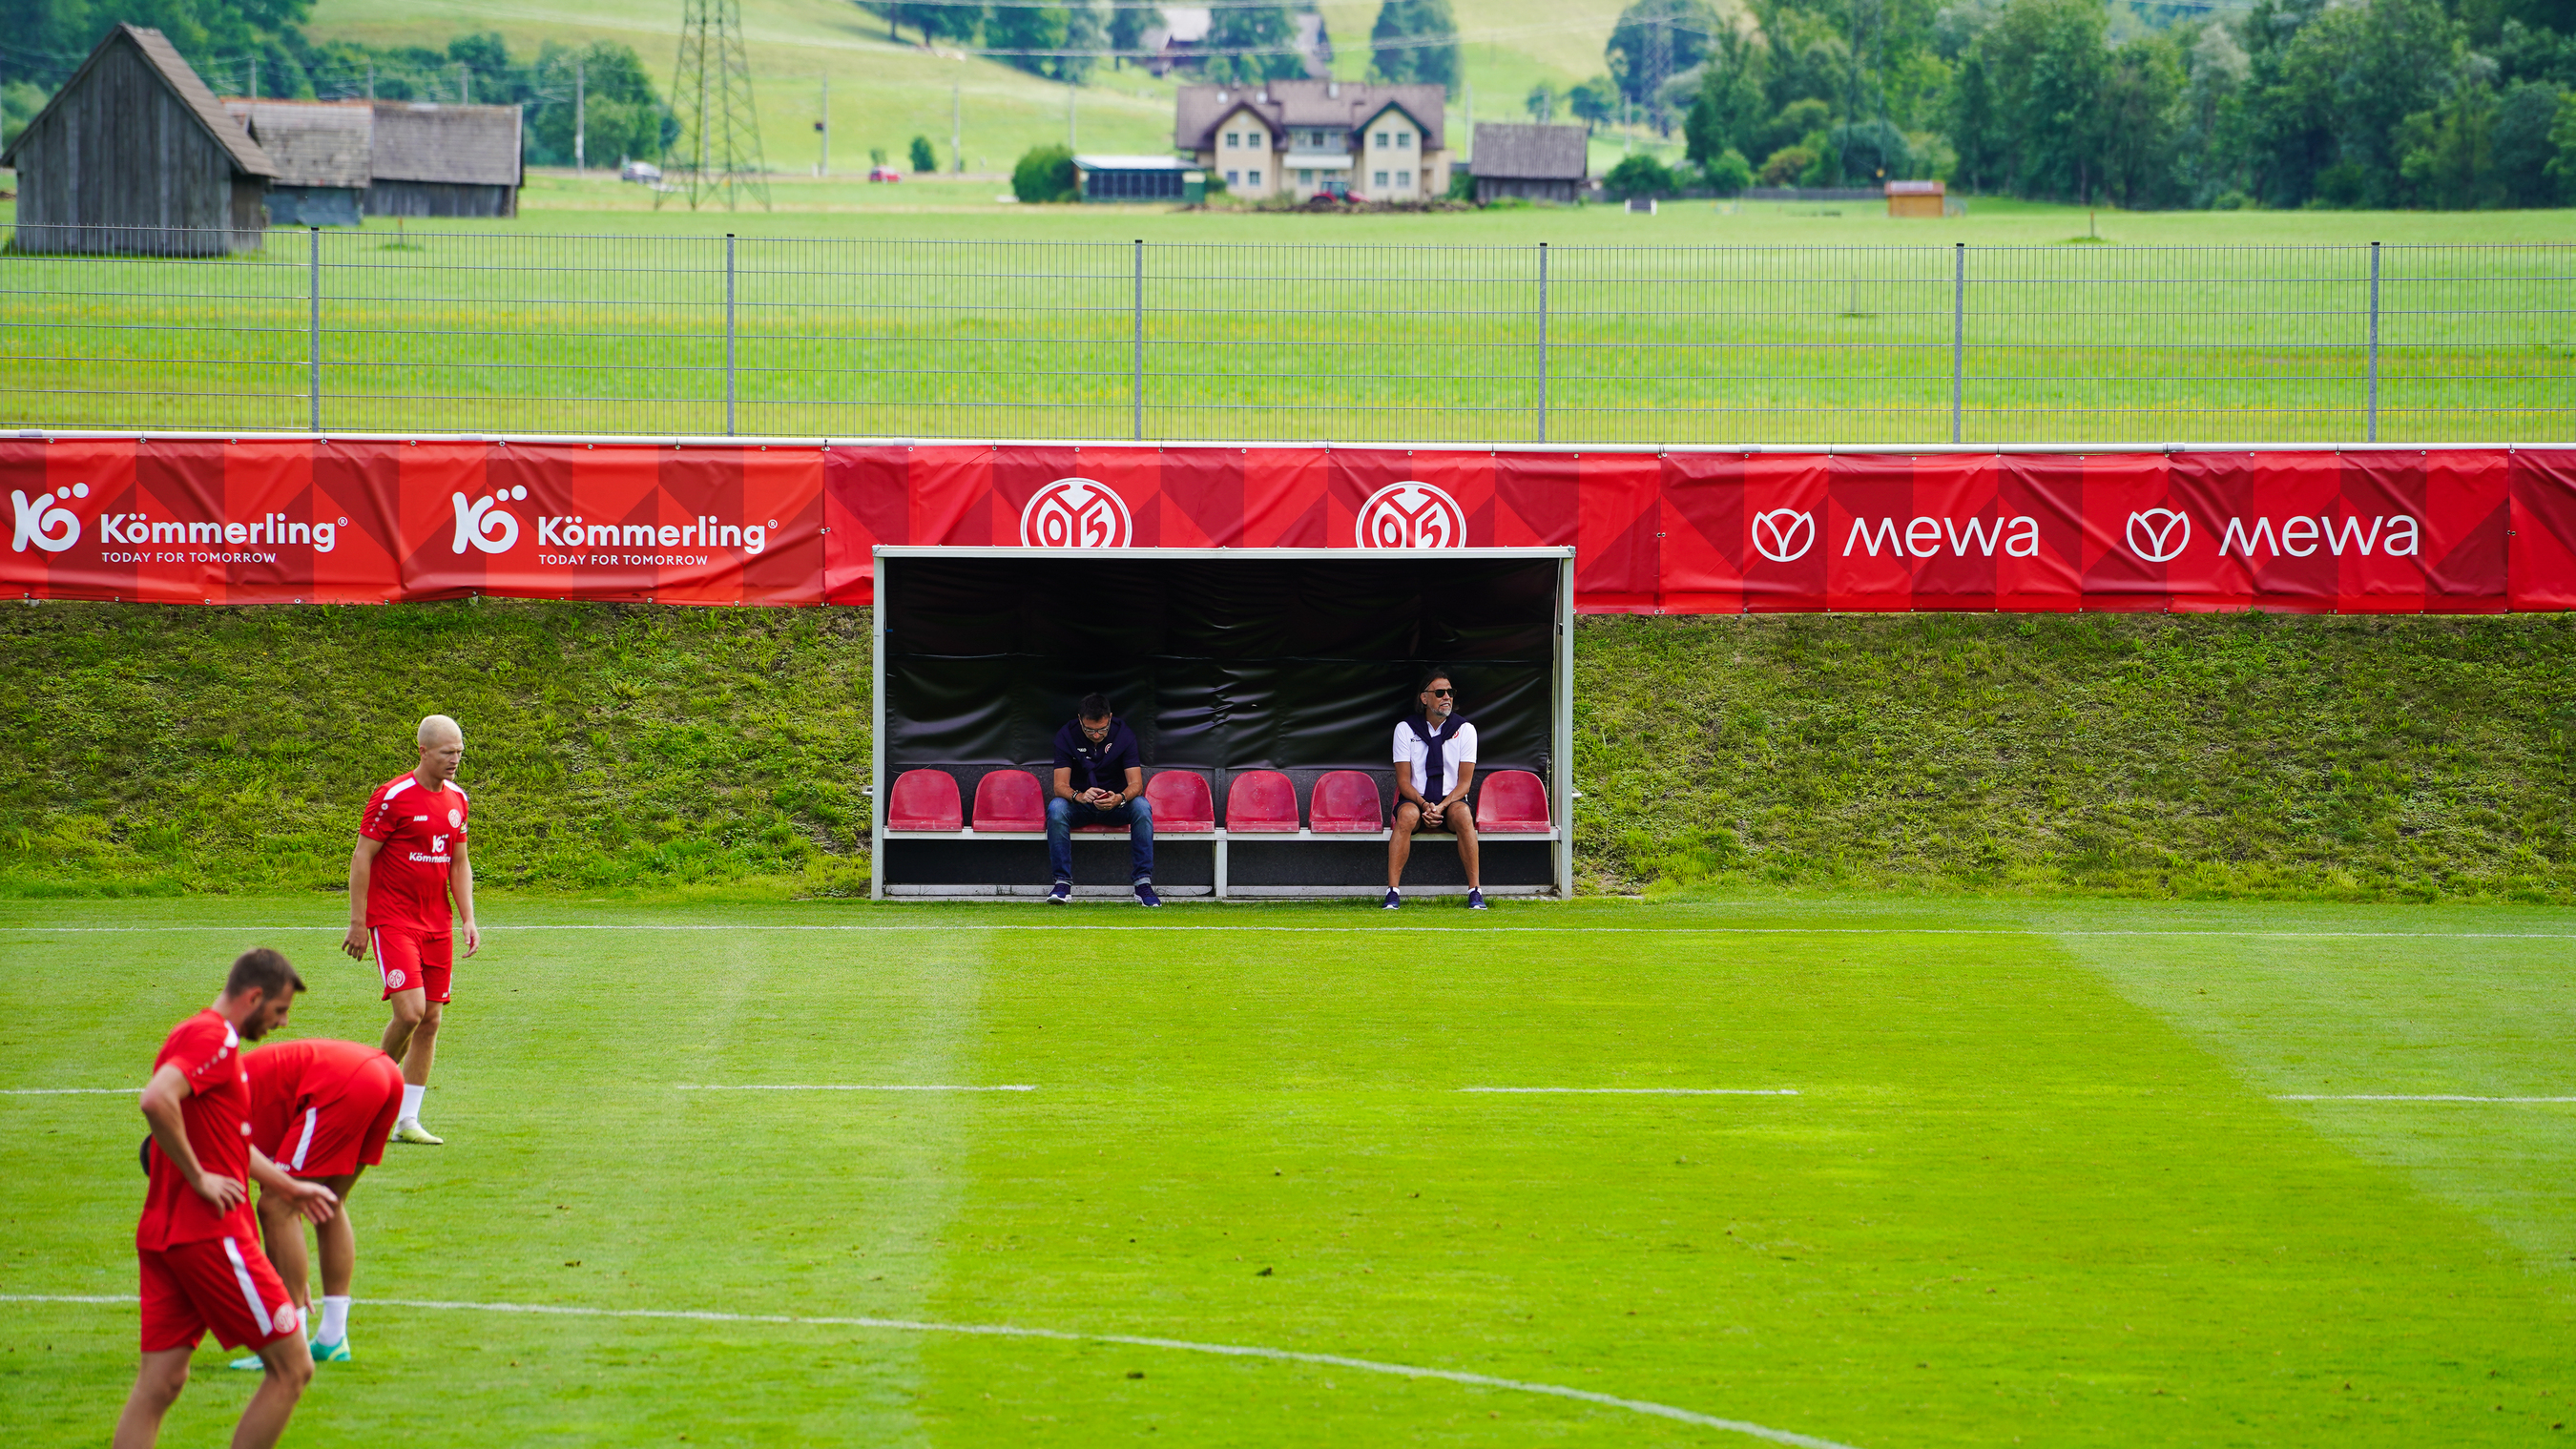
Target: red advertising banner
288,520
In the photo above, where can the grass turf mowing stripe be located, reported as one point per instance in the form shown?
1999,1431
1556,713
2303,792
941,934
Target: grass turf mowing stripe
71,1091
1497,930
2405,1097
1646,1091
998,1330
844,1087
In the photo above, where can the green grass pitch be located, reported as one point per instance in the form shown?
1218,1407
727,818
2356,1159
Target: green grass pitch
2039,1182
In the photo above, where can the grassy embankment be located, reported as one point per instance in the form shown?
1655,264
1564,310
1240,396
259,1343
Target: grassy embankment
166,750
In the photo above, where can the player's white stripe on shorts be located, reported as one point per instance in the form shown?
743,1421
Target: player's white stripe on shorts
1649,1091
304,1144
2405,1097
249,1290
841,1087
1054,1335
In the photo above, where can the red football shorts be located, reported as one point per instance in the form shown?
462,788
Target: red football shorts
411,961
337,1137
222,1284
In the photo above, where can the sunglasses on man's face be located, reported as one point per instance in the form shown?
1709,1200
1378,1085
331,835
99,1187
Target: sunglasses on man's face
1440,691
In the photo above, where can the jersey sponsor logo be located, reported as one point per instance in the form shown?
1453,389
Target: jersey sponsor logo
2159,534
481,525
43,521
1076,513
1783,535
1410,514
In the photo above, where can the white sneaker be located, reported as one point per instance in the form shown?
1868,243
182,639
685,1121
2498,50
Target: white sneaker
412,1132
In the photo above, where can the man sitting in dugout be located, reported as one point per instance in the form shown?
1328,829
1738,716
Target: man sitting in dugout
1099,780
1435,759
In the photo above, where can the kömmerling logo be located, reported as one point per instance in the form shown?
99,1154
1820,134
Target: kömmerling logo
45,523
42,523
482,524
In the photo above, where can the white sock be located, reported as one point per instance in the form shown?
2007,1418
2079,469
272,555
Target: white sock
335,1320
411,1101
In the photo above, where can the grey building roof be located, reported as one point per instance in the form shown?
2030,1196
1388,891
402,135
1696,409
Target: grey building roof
181,78
1291,104
422,141
1531,153
314,143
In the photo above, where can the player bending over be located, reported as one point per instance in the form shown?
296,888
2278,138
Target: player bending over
410,859
201,1266
321,1110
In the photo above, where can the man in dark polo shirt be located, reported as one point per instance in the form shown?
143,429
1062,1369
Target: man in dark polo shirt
1099,780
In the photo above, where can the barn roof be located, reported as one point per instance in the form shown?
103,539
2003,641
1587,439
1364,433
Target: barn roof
1291,104
164,60
314,143
1530,153
469,145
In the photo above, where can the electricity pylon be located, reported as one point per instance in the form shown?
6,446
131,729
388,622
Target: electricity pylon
717,153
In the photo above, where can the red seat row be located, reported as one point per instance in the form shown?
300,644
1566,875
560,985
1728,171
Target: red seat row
1257,802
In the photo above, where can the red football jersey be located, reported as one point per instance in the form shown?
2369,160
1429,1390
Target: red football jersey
293,1075
217,1114
420,829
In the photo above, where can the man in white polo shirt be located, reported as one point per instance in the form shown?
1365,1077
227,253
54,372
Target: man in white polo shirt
1435,758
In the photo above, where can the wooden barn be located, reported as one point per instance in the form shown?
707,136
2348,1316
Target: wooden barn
320,149
134,154
435,160
1540,163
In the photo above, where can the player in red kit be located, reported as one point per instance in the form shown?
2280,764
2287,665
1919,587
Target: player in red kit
410,859
321,1110
198,1249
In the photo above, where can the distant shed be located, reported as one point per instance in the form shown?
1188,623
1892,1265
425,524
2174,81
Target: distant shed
1916,198
321,152
1540,163
435,160
134,154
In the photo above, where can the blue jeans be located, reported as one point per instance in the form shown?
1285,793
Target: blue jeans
1137,815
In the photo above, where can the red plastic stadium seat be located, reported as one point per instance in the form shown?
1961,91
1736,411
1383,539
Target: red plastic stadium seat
1009,800
1514,802
1181,800
1346,802
924,800
1261,802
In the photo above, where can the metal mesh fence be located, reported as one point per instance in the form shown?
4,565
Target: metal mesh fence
446,331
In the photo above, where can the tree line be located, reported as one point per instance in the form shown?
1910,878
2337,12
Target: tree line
2438,104
243,47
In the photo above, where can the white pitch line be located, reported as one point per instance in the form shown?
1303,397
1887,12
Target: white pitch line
995,1330
1130,931
1649,1091
2405,1097
841,1087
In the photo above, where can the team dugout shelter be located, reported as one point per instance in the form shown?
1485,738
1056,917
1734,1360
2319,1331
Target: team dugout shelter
1264,687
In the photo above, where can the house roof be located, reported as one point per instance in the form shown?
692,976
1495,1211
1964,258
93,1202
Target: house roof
467,145
314,143
164,60
1134,163
1292,104
1531,153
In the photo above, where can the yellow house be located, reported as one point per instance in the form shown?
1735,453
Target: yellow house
1304,138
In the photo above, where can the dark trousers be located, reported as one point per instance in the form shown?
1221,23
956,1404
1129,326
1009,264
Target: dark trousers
1137,815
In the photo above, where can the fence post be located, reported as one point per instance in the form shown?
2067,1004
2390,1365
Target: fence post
313,330
1138,391
729,367
2372,421
1958,337
1542,342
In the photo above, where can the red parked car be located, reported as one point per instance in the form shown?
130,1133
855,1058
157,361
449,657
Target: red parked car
884,173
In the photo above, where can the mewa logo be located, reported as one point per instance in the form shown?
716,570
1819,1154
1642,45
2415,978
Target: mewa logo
43,521
1783,535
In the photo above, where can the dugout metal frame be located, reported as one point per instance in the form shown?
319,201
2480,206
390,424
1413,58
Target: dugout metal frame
1557,778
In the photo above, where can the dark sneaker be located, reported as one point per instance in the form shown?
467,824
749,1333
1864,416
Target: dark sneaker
1062,893
1475,900
1394,900
1145,894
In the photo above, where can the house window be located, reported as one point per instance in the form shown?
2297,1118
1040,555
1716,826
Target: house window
1404,140
1232,140
1234,178
1381,178
1404,179
1252,178
1381,140
1305,177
